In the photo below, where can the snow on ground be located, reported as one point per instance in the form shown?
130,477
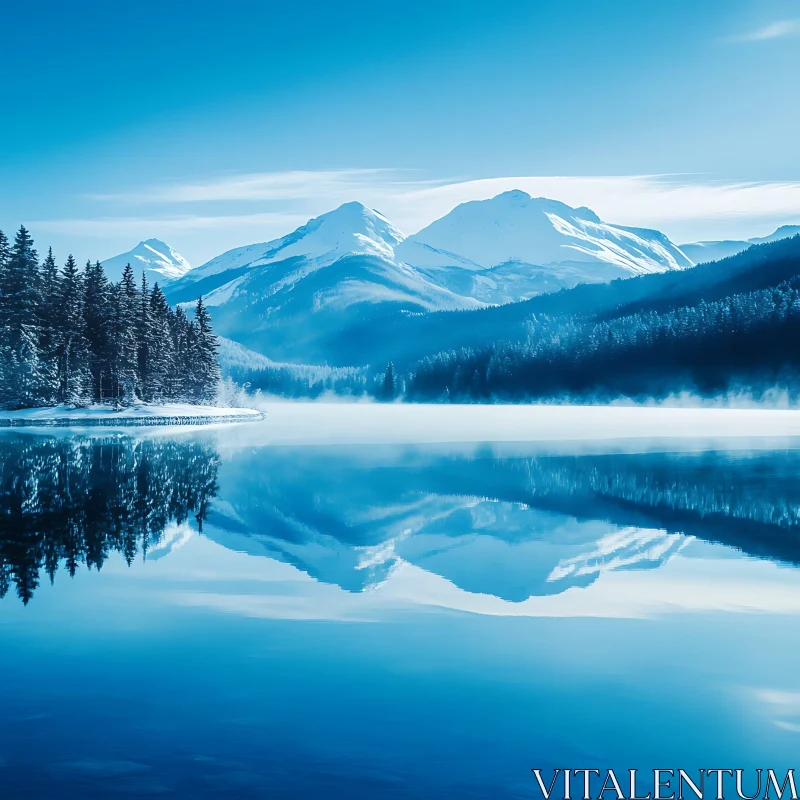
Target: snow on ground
181,413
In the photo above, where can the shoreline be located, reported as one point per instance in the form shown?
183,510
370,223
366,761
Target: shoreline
134,416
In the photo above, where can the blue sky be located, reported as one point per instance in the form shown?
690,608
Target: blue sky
213,125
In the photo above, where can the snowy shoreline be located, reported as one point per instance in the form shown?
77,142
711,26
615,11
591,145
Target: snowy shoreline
138,415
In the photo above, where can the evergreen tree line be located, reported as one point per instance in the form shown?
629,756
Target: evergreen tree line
67,502
72,336
301,380
745,340
312,382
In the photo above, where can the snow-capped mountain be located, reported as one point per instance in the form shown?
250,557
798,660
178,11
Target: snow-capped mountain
301,290
313,295
515,227
351,228
701,252
157,259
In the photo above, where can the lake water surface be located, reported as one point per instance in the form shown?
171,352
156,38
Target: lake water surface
208,614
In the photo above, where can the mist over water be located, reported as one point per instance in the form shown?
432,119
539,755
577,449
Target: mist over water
208,613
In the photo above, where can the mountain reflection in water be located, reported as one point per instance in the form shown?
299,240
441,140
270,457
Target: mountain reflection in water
508,526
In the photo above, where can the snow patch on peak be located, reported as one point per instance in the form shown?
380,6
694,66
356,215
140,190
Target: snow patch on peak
160,262
351,228
515,227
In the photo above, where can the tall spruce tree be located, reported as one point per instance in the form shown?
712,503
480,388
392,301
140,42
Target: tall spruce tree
49,329
182,337
75,379
161,348
5,255
97,312
206,370
25,376
143,341
126,351
5,362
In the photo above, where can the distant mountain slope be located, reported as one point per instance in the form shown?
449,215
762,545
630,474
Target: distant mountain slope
157,259
294,311
703,252
406,339
730,326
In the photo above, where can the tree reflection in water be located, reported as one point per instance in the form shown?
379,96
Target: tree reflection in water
72,501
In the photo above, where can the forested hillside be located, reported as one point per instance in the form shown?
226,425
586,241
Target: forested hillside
406,338
727,325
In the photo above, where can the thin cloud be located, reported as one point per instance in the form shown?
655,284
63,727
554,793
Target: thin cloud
775,30
288,185
121,226
686,209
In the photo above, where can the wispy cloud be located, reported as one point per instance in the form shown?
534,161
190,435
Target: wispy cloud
138,226
278,186
774,30
676,202
638,200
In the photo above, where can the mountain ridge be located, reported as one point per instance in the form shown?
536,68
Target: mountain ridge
292,297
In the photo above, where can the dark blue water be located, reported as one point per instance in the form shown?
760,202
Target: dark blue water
229,620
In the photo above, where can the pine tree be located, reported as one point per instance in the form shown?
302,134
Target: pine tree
126,354
143,341
97,312
21,281
161,348
24,377
5,351
5,255
182,338
75,379
205,370
49,330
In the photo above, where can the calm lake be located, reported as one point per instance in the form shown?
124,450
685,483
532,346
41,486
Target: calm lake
204,613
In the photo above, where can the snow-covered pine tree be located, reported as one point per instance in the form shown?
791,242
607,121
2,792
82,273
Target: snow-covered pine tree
126,354
21,278
98,317
75,379
24,379
182,337
5,352
49,329
161,348
206,370
143,341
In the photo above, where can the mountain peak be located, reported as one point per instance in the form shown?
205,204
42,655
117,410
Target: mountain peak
155,258
515,227
157,243
513,195
352,228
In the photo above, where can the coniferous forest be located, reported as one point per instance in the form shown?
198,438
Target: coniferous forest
71,336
